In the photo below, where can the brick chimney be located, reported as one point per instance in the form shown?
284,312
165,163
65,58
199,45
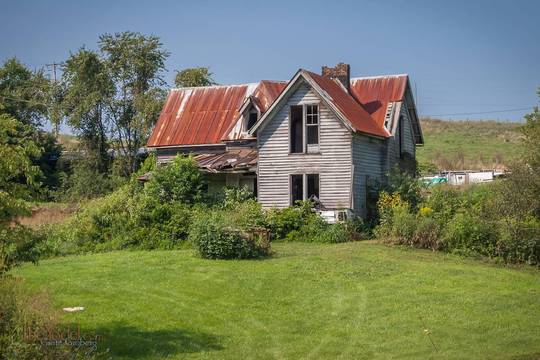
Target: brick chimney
341,72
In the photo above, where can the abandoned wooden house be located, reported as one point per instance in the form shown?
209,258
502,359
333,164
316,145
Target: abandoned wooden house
323,137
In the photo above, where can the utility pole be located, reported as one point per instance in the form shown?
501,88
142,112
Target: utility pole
55,119
53,66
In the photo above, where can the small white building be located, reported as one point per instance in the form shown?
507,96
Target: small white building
463,177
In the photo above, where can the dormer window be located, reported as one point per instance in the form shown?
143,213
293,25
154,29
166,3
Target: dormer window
252,119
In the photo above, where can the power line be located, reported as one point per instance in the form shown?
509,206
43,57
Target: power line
482,112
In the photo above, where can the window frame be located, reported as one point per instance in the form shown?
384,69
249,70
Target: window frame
304,186
305,145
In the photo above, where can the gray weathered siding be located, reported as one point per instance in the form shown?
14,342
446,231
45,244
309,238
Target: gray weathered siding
333,163
408,145
368,164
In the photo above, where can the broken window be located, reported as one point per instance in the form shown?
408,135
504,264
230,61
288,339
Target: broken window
304,132
252,119
312,124
309,182
312,186
297,188
297,133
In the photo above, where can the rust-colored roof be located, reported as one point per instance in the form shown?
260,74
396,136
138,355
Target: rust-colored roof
196,116
209,115
376,92
352,109
267,92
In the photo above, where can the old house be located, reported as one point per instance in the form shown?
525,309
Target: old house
320,136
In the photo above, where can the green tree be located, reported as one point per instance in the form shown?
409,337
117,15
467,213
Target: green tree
26,95
18,177
23,92
193,77
135,63
87,98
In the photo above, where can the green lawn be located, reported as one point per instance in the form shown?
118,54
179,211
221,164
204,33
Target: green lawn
348,301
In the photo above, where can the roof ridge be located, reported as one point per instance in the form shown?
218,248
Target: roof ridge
378,76
225,85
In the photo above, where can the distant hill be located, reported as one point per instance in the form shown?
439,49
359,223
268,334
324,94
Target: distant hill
453,145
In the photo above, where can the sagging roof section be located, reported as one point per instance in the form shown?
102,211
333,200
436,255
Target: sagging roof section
240,160
204,115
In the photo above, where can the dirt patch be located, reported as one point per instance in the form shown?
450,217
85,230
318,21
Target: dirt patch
48,214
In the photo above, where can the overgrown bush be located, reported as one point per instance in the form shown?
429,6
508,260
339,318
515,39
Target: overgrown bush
316,230
179,181
215,235
283,221
17,244
463,220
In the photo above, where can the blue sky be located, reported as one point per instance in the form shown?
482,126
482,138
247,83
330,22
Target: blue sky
462,56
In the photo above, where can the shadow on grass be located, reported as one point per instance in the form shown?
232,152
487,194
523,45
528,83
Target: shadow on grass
131,342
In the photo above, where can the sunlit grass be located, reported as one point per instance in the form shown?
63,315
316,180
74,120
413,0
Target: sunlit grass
349,301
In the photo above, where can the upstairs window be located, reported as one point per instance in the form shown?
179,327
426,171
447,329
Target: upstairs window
312,124
297,129
304,128
252,119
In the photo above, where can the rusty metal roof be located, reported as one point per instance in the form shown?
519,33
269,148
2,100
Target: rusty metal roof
203,115
353,110
208,115
376,92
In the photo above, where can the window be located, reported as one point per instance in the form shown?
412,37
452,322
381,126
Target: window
312,186
252,119
297,188
307,182
312,124
297,133
304,119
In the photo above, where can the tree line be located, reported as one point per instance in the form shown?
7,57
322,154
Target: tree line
110,98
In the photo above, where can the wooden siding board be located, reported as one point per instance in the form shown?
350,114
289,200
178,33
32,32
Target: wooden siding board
333,164
368,160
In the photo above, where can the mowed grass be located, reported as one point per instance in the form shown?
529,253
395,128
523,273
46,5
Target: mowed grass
349,301
458,145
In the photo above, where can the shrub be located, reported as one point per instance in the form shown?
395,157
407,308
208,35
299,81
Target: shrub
281,222
17,244
468,233
231,197
179,181
408,187
215,237
125,219
519,241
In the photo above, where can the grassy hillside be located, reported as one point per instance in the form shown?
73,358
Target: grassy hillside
468,144
351,301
